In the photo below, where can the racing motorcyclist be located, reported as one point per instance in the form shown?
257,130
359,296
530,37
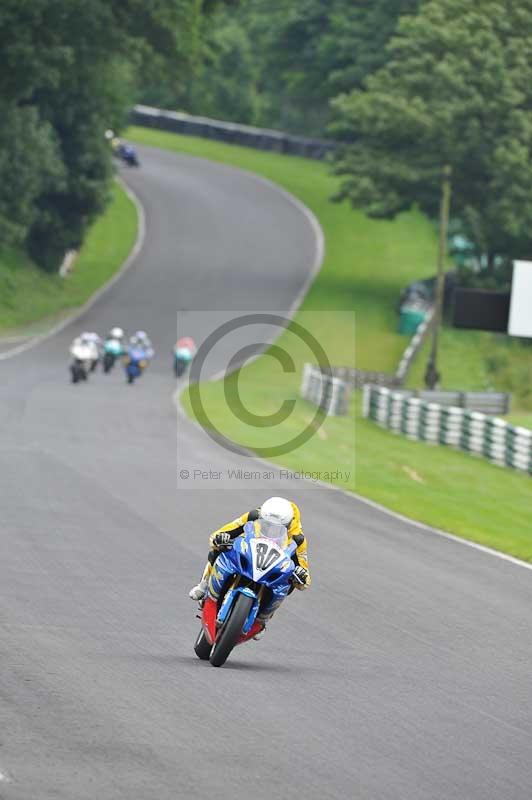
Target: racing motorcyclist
141,338
275,509
93,340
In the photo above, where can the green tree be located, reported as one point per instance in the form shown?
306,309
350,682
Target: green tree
69,71
224,85
315,49
279,64
456,89
30,165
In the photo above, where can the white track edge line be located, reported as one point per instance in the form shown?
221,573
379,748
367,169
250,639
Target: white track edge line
137,247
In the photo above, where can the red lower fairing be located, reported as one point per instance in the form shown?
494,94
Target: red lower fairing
208,619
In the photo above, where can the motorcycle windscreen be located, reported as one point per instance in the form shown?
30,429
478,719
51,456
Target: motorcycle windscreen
272,530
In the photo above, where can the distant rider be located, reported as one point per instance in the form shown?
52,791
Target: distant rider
184,352
84,349
113,348
94,341
141,339
276,509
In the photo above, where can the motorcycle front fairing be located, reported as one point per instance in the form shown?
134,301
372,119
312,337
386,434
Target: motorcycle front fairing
113,346
183,354
260,561
136,361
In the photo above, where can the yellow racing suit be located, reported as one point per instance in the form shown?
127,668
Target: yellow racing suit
236,528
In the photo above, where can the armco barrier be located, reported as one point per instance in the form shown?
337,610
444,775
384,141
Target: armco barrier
231,132
487,402
471,431
325,391
357,378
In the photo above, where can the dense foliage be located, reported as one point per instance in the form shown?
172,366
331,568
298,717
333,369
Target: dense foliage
405,85
456,89
408,85
278,64
69,69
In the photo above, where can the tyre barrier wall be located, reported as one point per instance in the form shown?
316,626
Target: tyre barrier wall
325,391
471,431
231,132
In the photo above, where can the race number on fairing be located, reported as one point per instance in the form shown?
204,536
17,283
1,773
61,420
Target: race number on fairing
265,554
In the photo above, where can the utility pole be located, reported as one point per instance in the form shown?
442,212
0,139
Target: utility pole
432,376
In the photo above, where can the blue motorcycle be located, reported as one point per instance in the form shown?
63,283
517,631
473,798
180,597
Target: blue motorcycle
135,362
128,154
252,577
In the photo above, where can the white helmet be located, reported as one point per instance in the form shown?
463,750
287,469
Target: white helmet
277,509
116,333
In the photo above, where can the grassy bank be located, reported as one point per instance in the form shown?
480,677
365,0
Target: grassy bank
367,264
28,295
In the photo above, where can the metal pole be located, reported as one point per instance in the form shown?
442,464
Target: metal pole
432,376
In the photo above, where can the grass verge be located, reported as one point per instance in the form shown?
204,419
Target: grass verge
28,295
367,264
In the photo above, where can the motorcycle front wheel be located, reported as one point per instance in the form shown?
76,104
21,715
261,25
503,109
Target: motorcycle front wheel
180,367
77,373
108,362
231,630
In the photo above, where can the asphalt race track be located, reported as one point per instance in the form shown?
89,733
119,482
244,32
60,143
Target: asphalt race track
403,674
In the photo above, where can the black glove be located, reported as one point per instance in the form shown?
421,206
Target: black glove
301,576
222,541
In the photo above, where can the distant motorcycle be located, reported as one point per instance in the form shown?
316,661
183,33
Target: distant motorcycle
135,362
184,351
128,154
112,349
81,366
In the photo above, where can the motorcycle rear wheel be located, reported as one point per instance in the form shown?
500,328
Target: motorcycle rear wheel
231,630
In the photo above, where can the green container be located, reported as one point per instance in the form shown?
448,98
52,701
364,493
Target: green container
410,319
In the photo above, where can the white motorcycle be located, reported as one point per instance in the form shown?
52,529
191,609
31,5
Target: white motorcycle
84,356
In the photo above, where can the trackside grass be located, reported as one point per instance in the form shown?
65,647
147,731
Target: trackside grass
366,265
30,297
